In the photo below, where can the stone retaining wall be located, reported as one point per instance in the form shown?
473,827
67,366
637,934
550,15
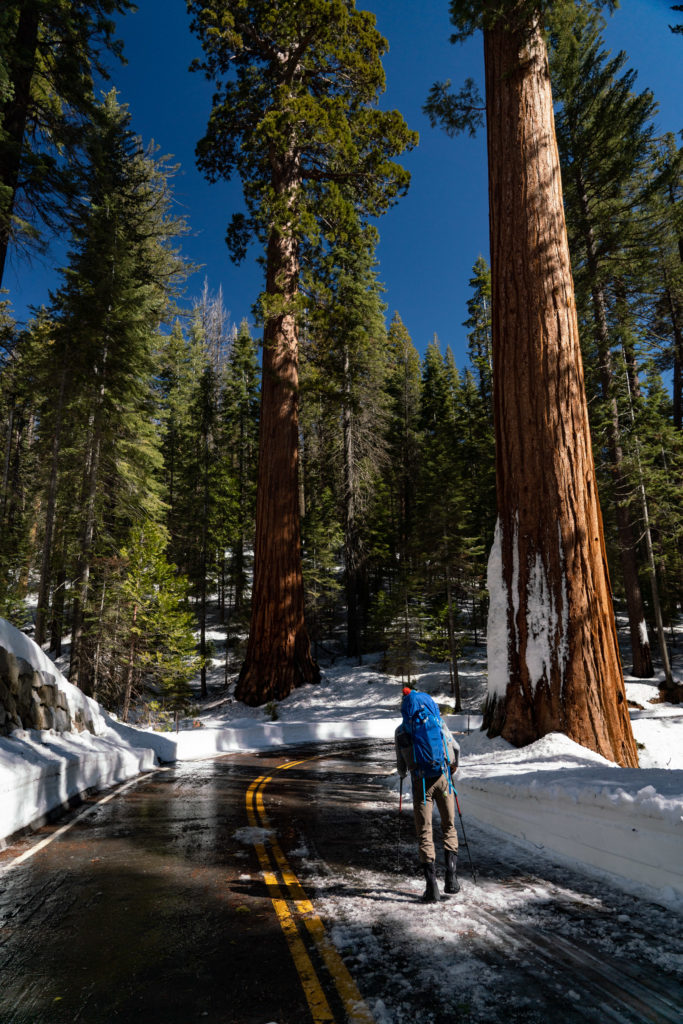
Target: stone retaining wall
31,699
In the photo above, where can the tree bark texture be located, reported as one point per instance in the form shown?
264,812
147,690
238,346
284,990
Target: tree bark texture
557,668
278,657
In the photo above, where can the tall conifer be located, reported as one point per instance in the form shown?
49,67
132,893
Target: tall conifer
50,51
122,269
295,115
553,654
346,361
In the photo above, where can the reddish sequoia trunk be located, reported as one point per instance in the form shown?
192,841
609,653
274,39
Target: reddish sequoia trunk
278,653
553,656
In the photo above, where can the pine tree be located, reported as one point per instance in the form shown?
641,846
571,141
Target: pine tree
213,334
20,464
477,400
156,626
344,376
396,511
122,269
295,114
50,50
240,425
553,653
479,330
666,238
180,362
441,511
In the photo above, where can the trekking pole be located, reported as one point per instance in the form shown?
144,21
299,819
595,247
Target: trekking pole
464,835
398,841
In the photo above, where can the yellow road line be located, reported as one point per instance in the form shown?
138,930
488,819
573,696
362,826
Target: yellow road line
315,997
355,1007
346,986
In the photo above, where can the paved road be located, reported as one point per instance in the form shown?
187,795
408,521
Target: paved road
212,891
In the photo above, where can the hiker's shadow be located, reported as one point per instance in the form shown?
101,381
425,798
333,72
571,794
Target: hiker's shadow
337,890
340,890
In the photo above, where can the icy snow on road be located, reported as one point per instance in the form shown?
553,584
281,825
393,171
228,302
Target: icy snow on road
531,942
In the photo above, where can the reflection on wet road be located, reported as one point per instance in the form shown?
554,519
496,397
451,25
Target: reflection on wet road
149,909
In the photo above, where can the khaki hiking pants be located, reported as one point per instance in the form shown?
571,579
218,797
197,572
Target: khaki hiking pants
435,791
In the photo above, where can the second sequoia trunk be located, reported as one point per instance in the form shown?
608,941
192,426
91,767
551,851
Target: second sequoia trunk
553,657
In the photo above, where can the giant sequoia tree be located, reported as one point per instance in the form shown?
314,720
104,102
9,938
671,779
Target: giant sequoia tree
553,656
295,115
604,130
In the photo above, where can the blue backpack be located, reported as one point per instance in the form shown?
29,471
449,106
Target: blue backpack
422,720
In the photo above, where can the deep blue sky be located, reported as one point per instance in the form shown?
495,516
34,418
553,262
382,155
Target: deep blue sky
431,239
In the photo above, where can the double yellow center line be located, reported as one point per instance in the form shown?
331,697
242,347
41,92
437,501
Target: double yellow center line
295,908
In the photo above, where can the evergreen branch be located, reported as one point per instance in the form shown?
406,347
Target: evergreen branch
455,112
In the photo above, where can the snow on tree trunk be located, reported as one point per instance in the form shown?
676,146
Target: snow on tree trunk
553,656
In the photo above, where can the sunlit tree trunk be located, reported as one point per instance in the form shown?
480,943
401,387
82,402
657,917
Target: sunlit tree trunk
130,670
278,657
6,461
553,655
452,645
59,591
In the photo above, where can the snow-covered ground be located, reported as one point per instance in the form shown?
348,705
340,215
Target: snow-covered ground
553,796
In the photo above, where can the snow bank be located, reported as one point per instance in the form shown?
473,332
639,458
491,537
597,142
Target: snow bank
563,798
657,727
254,736
41,771
21,646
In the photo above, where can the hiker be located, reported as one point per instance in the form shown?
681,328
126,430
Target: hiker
426,749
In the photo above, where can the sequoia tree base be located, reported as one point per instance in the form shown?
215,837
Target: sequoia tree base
265,676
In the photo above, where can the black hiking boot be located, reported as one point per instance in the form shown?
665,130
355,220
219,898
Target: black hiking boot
431,893
452,883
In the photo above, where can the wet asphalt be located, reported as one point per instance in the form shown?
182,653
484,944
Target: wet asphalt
153,909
